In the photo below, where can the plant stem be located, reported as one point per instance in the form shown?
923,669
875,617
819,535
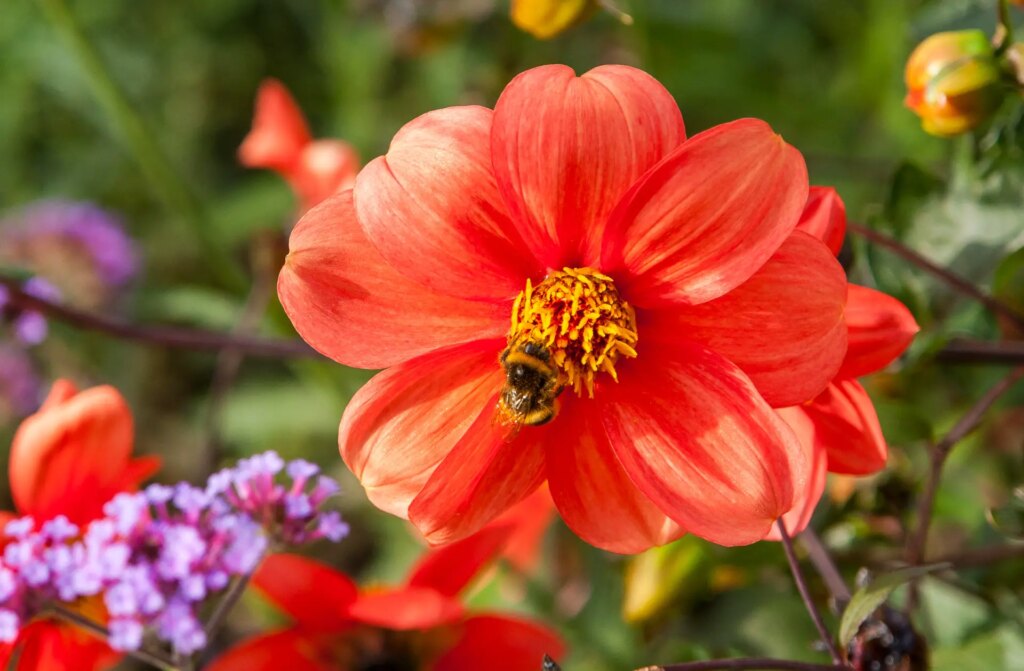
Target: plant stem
917,541
983,556
805,594
963,350
947,276
220,613
150,657
141,142
747,663
1004,26
939,453
229,361
822,560
165,336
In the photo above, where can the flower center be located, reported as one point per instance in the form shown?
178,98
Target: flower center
577,316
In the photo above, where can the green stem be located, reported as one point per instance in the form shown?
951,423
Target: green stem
141,142
149,657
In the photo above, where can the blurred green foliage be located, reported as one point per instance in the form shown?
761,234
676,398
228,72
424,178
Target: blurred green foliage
826,75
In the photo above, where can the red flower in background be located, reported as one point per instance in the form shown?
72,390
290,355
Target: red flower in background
661,277
281,141
528,522
840,428
70,458
419,625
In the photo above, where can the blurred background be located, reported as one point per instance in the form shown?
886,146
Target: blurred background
208,236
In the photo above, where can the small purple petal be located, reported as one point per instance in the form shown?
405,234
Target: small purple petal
325,488
300,469
8,583
19,528
297,506
59,528
121,600
332,527
157,493
41,288
31,328
125,634
10,626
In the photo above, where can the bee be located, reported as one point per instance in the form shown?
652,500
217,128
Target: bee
531,385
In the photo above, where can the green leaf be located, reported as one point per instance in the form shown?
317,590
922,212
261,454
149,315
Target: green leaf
867,599
1009,518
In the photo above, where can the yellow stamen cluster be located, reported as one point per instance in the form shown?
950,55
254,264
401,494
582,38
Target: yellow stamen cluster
578,315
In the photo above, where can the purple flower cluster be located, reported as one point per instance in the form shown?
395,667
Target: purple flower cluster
158,555
61,228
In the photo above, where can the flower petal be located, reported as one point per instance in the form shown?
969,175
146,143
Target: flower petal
61,392
315,595
783,327
450,568
278,133
530,519
270,652
71,456
806,498
483,475
500,643
353,307
880,328
707,217
824,217
406,609
591,489
324,168
403,422
846,427
432,209
566,148
694,435
137,471
59,647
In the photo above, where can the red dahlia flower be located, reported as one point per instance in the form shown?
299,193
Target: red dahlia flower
69,459
416,626
839,428
573,239
280,141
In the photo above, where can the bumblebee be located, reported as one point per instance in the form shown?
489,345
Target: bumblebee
531,385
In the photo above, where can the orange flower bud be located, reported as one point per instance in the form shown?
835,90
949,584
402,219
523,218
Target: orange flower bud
546,18
953,82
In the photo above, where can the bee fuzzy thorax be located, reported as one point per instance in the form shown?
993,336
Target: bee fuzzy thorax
578,317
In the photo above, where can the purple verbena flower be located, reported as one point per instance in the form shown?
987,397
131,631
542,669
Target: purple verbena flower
81,236
158,555
290,513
